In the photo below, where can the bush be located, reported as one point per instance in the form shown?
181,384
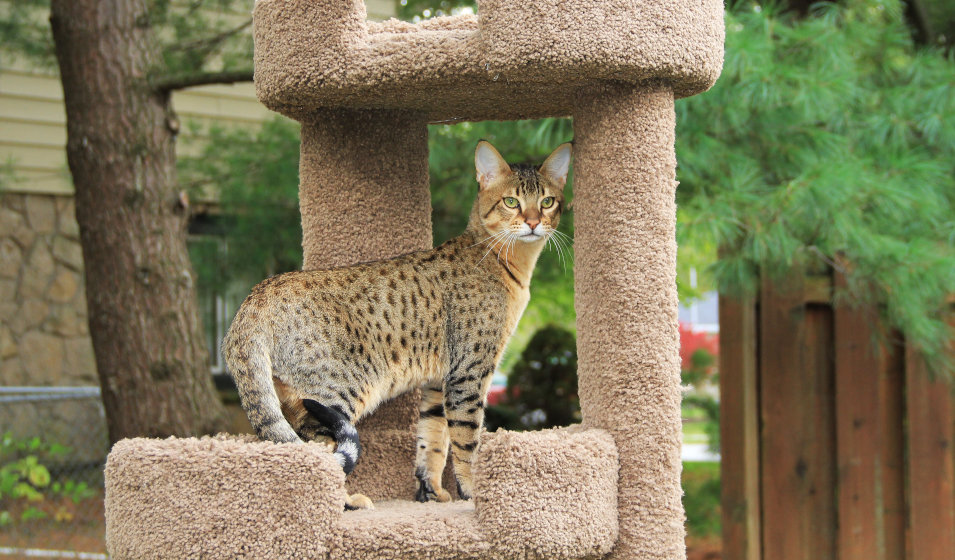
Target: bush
701,499
542,386
24,477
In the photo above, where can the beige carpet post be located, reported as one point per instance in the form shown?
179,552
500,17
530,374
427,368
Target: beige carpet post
626,300
364,196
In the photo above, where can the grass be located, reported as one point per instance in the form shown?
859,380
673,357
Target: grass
695,432
701,499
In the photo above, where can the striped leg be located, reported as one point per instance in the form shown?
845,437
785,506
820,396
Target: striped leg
464,409
347,447
432,450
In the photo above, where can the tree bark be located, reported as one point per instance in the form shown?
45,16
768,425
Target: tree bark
149,345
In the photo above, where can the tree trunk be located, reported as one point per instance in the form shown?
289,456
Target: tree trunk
149,345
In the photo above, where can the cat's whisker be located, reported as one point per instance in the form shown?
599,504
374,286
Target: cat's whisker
553,241
499,236
509,247
563,257
560,254
507,251
563,236
561,245
501,249
568,248
488,238
506,247
486,253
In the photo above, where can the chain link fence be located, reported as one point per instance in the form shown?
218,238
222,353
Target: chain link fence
53,446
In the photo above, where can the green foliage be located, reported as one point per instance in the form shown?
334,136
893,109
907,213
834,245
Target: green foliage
197,35
701,498
25,32
254,177
828,138
710,407
203,35
542,386
25,476
700,402
76,492
410,10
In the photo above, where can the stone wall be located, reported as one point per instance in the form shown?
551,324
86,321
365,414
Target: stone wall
44,337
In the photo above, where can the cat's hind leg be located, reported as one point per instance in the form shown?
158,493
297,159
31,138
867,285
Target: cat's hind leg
432,446
306,426
347,447
315,431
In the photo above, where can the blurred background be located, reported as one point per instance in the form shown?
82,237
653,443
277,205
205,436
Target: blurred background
816,270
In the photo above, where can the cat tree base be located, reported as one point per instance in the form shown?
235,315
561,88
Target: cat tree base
549,494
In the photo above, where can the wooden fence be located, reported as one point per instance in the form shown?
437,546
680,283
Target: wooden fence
831,449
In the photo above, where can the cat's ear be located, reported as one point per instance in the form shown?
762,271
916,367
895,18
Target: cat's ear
557,164
489,164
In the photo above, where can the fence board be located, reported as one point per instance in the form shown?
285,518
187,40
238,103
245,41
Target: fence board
739,429
869,441
931,465
854,447
797,435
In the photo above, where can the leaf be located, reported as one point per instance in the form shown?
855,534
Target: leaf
57,449
24,490
32,513
63,515
39,476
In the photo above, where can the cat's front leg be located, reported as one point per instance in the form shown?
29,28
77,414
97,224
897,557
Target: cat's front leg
432,446
464,409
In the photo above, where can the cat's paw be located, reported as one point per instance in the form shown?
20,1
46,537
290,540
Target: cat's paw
442,495
465,490
358,501
427,492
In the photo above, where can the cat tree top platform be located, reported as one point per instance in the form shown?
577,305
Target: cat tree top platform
512,60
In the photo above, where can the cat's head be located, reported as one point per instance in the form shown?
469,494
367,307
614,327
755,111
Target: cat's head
519,202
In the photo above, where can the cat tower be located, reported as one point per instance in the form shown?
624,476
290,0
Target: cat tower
364,93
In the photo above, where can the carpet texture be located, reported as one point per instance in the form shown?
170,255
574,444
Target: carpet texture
628,362
514,59
548,494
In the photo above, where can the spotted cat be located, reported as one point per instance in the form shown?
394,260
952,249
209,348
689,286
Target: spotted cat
311,352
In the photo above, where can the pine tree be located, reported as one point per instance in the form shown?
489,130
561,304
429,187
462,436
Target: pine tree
828,140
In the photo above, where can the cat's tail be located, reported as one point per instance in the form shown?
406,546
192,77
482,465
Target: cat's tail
251,368
347,448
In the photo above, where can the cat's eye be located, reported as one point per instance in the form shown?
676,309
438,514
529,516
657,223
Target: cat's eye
547,202
511,202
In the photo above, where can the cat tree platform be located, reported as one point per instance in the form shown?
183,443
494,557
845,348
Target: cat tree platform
549,494
512,60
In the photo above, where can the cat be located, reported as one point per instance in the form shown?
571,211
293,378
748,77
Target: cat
313,351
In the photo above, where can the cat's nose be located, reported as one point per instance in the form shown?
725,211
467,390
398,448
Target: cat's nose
532,222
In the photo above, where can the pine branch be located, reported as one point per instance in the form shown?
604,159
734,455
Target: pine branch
185,80
210,43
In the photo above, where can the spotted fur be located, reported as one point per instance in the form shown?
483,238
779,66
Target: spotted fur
311,352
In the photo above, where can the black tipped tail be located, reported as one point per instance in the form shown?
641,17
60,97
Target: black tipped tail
347,447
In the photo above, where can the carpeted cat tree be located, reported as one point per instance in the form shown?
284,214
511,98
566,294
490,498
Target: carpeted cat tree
364,93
